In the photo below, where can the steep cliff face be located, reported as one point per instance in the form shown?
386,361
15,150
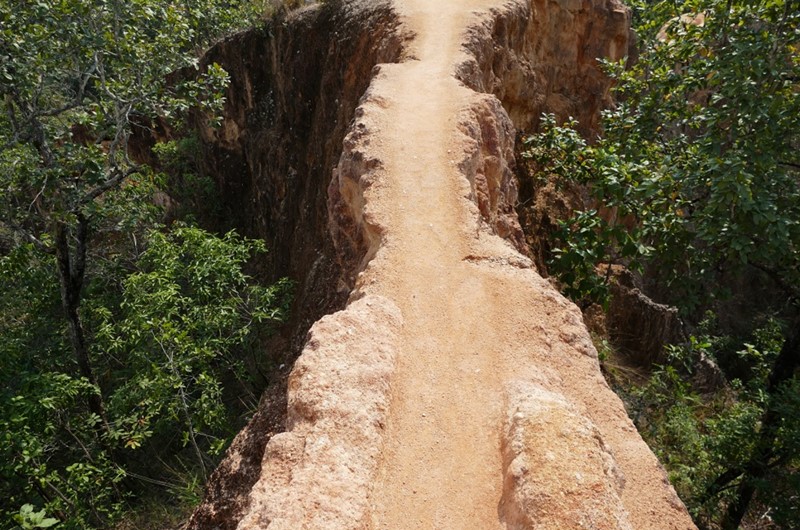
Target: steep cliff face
295,85
541,56
456,389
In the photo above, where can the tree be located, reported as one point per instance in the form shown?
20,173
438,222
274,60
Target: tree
77,79
168,344
184,312
700,158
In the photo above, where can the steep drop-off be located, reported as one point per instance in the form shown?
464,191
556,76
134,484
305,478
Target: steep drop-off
295,85
457,389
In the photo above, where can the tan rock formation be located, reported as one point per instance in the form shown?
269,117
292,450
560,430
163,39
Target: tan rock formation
295,85
558,471
457,390
541,56
315,474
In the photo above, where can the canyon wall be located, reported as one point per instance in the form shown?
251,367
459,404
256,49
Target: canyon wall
295,84
540,56
371,144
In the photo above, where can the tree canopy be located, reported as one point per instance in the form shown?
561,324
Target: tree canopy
123,339
695,182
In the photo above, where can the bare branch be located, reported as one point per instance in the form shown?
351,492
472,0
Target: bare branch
776,277
78,268
111,183
28,236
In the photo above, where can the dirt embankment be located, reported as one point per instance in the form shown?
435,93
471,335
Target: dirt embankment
295,86
457,389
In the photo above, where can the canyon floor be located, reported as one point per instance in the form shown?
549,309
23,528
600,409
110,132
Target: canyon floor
458,390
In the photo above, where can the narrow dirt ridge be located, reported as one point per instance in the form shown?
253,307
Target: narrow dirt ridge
458,390
442,463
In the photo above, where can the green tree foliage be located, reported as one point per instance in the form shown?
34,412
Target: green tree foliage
185,310
696,181
28,518
165,345
120,338
702,438
702,150
76,77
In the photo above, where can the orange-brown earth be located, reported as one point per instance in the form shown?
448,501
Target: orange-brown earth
457,389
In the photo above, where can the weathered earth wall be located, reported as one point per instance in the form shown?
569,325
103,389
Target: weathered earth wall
295,85
540,56
295,166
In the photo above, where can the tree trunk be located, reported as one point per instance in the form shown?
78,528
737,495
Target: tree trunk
71,273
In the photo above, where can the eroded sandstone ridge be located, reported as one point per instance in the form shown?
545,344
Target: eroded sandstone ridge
456,389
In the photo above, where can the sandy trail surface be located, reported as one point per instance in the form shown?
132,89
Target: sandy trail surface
442,464
477,319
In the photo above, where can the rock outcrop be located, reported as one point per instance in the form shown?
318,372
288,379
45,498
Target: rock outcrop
540,56
638,326
559,473
295,85
315,474
456,388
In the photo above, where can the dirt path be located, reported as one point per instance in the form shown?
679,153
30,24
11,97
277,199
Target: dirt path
442,460
473,328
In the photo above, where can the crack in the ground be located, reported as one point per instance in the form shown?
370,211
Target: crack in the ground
518,262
